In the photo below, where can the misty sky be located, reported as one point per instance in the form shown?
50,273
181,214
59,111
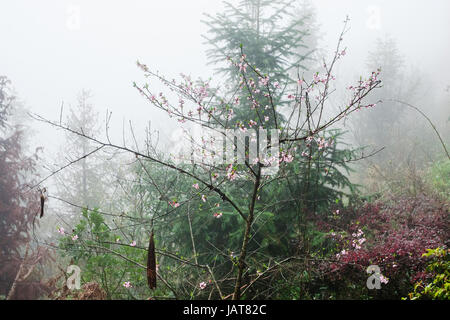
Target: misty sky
53,49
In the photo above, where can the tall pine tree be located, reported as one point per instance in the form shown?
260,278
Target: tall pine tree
270,35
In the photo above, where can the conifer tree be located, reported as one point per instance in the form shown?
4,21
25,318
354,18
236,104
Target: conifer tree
270,35
83,184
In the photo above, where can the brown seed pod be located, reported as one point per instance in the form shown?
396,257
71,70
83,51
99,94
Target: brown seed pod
151,263
42,205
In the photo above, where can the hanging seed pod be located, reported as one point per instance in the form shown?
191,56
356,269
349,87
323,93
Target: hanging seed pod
43,198
42,206
151,264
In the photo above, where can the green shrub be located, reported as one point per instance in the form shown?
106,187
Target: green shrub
439,178
436,287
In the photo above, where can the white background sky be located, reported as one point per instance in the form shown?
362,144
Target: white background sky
50,60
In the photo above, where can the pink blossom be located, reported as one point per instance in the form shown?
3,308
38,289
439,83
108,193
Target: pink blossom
242,128
360,233
196,186
383,279
61,230
264,81
231,173
203,198
286,157
230,113
202,285
322,143
127,284
75,237
242,67
174,204
133,244
218,215
316,77
342,253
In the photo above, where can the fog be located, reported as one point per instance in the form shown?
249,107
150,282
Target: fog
51,50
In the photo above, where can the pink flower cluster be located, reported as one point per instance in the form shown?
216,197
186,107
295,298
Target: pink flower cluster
243,64
363,85
286,157
358,239
174,204
264,81
231,172
398,233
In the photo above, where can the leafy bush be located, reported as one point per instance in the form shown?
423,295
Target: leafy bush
439,178
436,284
392,235
99,252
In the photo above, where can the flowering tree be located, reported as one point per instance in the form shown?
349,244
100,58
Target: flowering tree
221,171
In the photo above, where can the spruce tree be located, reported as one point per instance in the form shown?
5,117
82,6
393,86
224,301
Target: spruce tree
270,35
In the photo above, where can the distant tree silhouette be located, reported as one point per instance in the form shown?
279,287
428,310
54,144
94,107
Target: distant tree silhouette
18,258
